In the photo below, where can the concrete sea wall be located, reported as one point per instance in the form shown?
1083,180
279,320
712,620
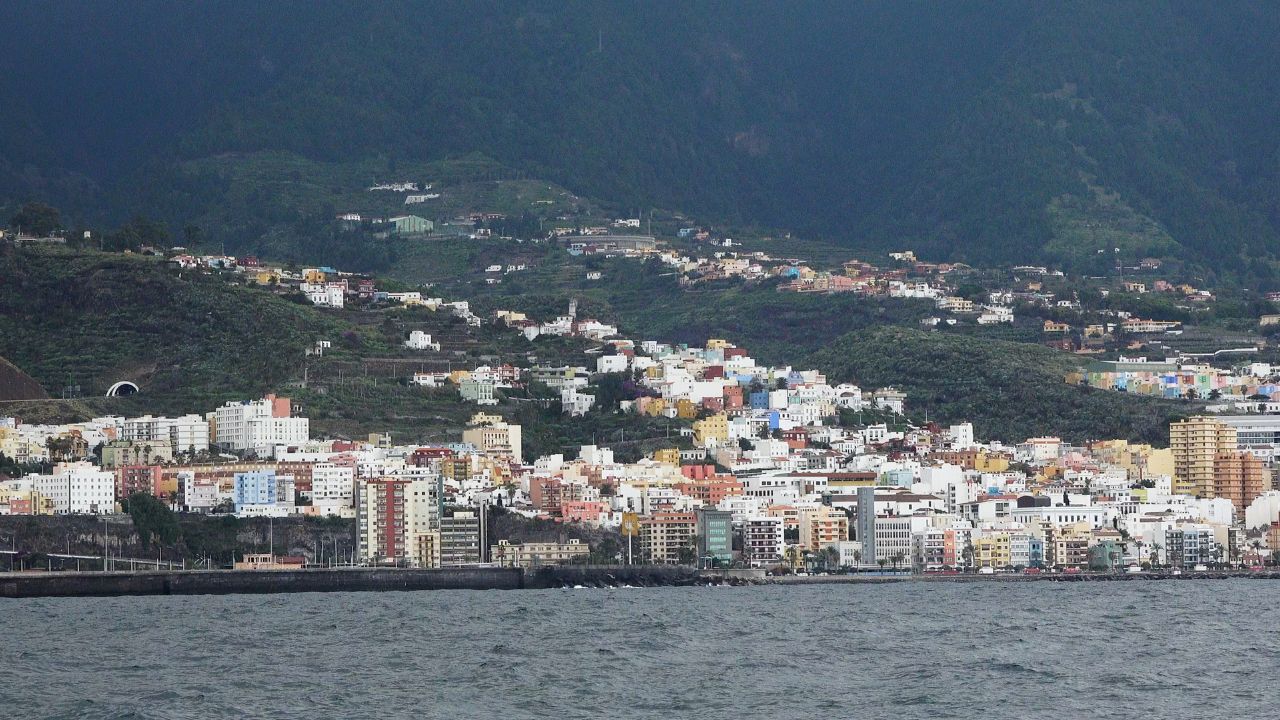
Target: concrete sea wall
225,582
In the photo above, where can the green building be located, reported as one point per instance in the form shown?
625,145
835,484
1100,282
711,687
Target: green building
715,537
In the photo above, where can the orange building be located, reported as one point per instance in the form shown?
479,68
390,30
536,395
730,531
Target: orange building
1238,477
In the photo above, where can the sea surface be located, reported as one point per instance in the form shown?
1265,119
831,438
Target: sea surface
1173,649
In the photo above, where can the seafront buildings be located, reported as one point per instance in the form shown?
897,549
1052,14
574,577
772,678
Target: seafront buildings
772,467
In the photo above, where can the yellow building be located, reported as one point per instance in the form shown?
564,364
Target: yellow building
718,344
711,431
686,409
1194,444
655,407
668,456
821,526
990,462
993,551
529,555
1067,545
313,276
1141,461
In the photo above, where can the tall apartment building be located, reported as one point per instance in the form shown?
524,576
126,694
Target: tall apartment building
664,534
865,520
762,540
822,526
1239,477
462,538
396,522
258,426
1196,443
715,536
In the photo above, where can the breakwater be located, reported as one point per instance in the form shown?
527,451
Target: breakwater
227,582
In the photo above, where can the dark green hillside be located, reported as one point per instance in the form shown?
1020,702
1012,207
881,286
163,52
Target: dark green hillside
1009,390
979,131
90,319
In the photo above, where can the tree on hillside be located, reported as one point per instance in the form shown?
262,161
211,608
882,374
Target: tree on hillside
37,219
152,517
136,233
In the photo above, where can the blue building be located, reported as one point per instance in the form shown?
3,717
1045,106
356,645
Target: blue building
262,489
1035,555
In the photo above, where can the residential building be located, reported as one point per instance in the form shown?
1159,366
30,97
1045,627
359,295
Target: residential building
419,340
533,554
762,540
396,521
256,427
667,537
76,488
1196,443
462,538
263,493
822,526
493,436
1238,477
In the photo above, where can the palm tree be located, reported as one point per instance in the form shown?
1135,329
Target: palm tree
882,562
897,558
791,554
830,559
857,558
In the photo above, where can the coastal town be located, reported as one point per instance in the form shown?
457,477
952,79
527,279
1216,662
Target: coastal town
769,467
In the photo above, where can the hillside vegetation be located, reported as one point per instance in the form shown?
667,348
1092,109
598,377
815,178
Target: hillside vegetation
1008,390
981,132
187,339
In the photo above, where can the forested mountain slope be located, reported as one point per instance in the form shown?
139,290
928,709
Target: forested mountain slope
982,132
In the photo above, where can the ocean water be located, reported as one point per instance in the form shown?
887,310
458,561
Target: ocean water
1175,649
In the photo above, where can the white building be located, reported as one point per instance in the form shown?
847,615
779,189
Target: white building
574,402
762,540
1263,511
611,363
189,433
324,295
258,426
419,340
77,489
333,490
